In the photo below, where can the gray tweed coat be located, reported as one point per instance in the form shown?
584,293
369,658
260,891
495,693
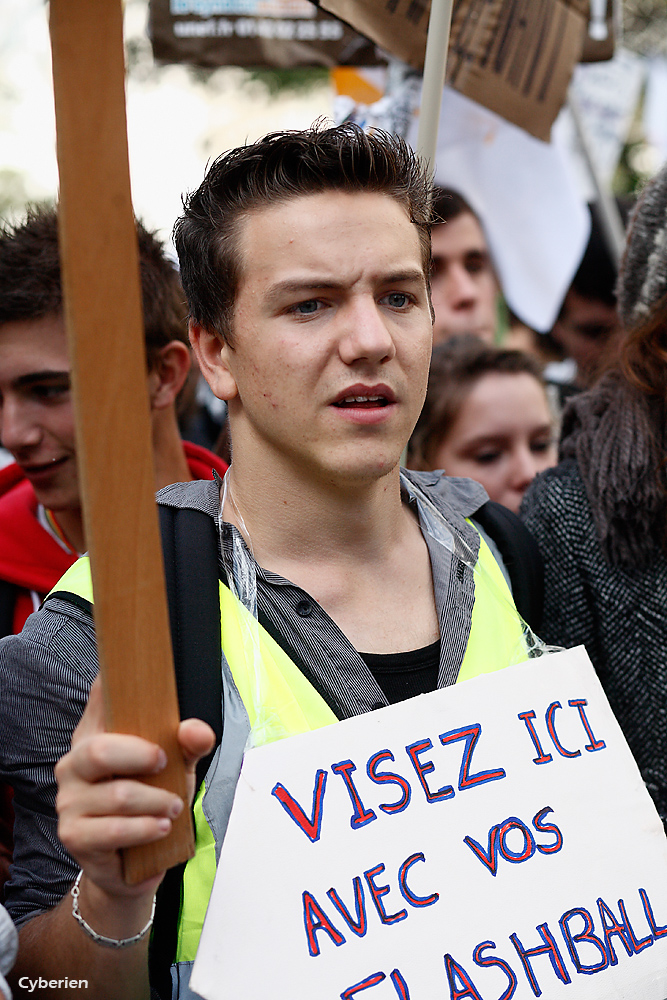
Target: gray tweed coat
599,520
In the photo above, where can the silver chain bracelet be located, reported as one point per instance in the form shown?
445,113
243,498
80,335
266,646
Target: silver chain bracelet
106,942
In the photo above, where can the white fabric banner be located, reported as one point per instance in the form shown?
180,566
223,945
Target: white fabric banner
493,839
526,195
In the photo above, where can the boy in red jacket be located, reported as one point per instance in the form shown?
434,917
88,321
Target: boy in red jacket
41,525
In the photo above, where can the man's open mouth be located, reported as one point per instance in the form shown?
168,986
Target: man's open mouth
363,402
365,397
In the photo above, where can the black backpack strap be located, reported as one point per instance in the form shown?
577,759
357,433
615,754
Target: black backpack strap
190,546
521,556
8,594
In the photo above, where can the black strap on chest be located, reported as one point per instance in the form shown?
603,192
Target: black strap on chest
521,556
190,547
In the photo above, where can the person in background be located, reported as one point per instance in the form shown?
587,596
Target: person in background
588,329
41,521
600,516
464,286
486,416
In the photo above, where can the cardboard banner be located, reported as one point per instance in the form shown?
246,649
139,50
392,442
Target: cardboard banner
276,33
515,57
491,839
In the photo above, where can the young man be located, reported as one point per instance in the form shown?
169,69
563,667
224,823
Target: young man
305,259
41,526
464,287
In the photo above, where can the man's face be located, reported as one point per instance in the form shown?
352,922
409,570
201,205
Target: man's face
332,337
36,417
587,330
463,283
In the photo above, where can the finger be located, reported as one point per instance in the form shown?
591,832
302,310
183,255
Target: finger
105,834
118,798
105,755
196,739
92,720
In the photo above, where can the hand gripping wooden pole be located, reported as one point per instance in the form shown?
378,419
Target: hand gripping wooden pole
100,270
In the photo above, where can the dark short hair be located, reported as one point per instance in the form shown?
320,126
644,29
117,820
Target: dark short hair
448,204
457,364
281,166
30,284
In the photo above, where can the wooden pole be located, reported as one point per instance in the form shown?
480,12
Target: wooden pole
103,314
435,65
610,216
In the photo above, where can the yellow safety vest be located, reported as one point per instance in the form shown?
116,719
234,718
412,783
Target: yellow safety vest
291,705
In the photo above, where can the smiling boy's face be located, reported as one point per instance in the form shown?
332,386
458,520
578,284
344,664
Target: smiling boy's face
36,413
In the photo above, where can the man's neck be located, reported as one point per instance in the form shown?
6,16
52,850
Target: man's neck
171,465
288,519
70,522
357,550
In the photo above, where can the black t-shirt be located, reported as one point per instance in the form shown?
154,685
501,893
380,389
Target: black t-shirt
404,675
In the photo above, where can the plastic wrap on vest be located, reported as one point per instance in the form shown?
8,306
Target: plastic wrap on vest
242,581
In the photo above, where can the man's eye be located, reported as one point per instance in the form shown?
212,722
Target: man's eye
594,331
306,308
53,392
477,262
397,300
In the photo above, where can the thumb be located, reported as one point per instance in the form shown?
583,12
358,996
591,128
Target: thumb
196,739
92,721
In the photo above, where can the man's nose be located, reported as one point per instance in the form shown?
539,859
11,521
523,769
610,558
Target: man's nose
18,430
462,290
366,335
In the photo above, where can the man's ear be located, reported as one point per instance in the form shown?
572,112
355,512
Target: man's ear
168,375
213,355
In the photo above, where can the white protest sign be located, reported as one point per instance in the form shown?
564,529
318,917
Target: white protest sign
607,94
490,840
525,193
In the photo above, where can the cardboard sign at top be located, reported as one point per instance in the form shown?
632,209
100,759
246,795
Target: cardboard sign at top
515,57
275,33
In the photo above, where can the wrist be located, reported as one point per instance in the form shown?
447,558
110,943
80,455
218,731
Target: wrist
110,920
